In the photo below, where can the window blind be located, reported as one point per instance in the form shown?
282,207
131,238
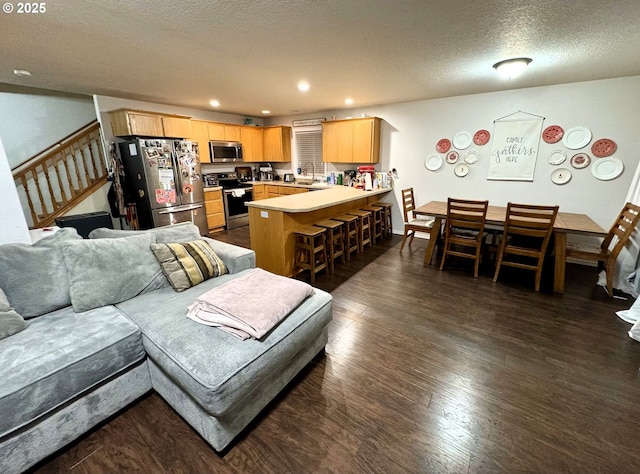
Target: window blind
309,150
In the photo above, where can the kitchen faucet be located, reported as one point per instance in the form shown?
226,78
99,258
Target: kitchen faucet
313,170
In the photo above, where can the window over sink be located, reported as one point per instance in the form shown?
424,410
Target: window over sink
308,150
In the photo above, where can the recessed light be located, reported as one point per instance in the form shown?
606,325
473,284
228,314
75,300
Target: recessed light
266,112
22,72
348,101
303,86
214,103
510,68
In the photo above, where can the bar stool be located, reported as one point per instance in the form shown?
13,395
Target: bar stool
335,240
311,251
387,227
351,240
376,220
364,227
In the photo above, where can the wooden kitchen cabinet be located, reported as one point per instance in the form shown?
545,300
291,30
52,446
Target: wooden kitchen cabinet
215,210
351,141
277,144
224,131
176,127
272,190
200,134
125,123
259,192
252,143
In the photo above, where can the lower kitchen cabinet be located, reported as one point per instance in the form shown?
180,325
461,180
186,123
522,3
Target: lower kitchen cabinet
259,192
215,209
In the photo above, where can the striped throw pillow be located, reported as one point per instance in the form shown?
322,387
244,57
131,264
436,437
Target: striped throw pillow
187,264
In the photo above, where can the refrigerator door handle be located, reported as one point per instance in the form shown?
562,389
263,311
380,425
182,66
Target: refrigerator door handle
188,207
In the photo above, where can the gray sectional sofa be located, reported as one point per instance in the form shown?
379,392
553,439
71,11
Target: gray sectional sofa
103,327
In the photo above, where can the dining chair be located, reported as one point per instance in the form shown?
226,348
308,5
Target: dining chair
412,223
607,253
525,238
464,230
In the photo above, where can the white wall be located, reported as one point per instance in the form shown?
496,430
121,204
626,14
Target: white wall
14,226
34,119
410,131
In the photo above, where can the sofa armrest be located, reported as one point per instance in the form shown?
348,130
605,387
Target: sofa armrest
234,257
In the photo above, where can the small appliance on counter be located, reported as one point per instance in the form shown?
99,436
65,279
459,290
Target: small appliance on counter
210,180
266,173
245,174
289,178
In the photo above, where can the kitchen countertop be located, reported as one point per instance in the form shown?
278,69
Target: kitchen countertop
213,188
307,202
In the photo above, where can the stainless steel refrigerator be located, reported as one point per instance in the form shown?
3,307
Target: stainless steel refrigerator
163,179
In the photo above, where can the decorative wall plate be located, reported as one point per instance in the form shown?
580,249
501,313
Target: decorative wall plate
556,157
552,134
603,148
462,140
561,176
433,162
481,137
443,145
576,138
607,168
580,160
452,157
461,170
471,158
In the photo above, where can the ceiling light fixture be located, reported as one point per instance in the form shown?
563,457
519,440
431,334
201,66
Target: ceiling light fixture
266,112
511,68
303,86
214,103
22,72
348,101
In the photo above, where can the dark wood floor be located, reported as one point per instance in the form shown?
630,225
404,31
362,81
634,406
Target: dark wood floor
425,371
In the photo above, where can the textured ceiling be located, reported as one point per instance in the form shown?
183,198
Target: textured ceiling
250,54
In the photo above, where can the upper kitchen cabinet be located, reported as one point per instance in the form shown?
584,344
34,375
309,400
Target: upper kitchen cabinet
277,144
176,127
351,141
252,144
200,134
125,123
224,131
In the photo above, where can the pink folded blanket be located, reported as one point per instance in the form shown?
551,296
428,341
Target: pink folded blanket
251,305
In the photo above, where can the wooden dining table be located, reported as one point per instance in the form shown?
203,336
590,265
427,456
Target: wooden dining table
566,223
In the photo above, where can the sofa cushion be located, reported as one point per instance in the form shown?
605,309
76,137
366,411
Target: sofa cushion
182,232
189,263
60,356
217,369
10,322
34,277
107,271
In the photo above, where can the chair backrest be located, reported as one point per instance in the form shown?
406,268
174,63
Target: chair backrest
622,228
466,214
408,204
531,221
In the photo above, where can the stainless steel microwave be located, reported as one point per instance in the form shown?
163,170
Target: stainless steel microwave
225,152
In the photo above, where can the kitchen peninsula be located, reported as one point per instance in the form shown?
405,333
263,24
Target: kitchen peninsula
272,222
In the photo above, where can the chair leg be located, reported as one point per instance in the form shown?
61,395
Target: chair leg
404,239
498,263
608,269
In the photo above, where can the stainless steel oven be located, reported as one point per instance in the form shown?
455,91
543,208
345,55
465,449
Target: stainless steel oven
236,211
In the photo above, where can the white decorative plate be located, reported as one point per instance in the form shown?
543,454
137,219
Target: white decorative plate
433,162
461,170
607,168
462,140
576,138
561,176
471,158
556,157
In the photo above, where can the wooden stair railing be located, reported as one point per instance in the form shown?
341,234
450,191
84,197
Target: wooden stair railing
55,180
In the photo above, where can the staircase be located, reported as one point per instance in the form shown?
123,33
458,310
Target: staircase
57,179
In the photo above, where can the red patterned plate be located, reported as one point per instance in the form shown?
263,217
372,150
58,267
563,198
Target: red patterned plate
481,137
603,148
443,145
580,160
552,134
452,157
